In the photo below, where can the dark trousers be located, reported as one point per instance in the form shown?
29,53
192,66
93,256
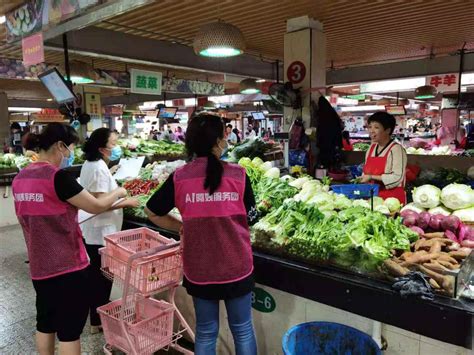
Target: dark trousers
100,286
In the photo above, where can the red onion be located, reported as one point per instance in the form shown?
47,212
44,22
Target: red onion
450,223
423,220
406,213
435,222
409,220
418,230
468,244
450,235
463,232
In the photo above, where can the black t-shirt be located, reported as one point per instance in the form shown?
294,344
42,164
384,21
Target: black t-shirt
66,185
162,202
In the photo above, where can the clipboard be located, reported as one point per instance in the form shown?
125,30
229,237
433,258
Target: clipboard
84,216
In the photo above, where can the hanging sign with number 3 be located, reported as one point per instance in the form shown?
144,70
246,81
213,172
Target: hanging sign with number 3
296,72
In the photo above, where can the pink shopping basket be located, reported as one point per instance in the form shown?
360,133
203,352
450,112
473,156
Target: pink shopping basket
124,244
148,322
148,274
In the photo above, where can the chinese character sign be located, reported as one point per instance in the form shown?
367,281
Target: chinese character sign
444,82
33,51
92,104
145,82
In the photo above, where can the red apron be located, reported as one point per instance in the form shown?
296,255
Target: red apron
376,166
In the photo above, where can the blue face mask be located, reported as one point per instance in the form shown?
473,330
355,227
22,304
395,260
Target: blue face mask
116,153
67,161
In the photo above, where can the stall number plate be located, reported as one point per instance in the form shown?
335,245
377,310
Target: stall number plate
262,301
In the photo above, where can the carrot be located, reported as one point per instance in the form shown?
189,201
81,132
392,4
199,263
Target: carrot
434,284
421,257
435,247
448,258
433,235
446,282
448,265
460,254
394,268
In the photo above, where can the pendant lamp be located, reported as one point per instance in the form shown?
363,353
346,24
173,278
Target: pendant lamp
209,105
249,86
81,72
425,92
219,40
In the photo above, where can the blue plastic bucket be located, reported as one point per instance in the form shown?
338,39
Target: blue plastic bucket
326,338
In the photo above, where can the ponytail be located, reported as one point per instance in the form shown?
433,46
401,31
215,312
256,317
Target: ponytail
214,171
203,132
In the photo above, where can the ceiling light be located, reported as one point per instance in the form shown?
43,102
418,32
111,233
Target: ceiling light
218,40
249,86
49,99
260,80
425,92
3,19
81,72
24,109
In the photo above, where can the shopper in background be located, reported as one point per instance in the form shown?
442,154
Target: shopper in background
15,138
346,141
179,134
47,200
237,134
251,134
386,160
216,203
97,179
269,133
230,135
461,138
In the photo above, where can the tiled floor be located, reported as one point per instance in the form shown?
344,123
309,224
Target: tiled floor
17,300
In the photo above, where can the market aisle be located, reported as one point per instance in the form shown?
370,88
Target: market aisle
17,300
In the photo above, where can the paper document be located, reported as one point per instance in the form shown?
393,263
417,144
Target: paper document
129,168
85,216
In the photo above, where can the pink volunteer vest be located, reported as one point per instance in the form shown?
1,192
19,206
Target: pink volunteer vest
50,226
216,242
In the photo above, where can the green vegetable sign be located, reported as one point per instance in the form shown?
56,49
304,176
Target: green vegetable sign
262,301
145,82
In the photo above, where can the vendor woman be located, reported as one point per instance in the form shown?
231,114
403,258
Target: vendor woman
386,160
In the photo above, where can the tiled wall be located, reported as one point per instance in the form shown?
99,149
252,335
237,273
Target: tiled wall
291,310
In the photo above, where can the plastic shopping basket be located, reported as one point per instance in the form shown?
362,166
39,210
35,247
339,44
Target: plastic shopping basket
148,274
126,243
148,323
356,191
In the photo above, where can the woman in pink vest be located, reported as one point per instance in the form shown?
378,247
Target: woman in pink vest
216,203
47,200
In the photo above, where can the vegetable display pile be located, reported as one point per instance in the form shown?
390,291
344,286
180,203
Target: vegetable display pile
307,221
135,147
455,199
78,156
251,148
441,150
440,177
362,147
13,161
141,187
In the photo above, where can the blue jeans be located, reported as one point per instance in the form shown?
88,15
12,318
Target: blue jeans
239,313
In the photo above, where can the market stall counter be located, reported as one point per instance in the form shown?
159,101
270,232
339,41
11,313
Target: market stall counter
444,319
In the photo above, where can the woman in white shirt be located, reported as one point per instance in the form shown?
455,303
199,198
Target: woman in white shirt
99,150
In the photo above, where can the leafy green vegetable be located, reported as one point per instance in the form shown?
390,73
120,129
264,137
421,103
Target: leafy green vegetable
363,147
